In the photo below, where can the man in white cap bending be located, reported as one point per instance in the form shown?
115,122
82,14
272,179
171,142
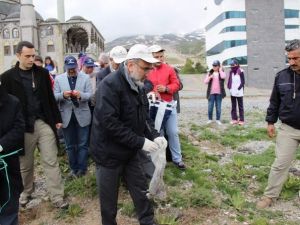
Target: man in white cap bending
120,130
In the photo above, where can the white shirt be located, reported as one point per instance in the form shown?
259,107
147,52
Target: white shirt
236,82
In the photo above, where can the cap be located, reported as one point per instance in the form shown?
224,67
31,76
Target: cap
70,62
89,62
156,48
81,54
139,51
234,62
118,54
216,63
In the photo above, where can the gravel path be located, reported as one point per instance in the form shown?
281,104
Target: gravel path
194,103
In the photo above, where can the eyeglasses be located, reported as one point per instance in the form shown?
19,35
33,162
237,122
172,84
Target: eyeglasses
145,69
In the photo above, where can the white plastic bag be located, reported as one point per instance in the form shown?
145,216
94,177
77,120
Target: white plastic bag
157,185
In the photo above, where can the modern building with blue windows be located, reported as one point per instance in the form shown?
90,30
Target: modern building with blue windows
253,32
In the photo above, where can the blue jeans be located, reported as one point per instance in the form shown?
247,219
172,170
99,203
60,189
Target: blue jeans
214,99
171,129
76,139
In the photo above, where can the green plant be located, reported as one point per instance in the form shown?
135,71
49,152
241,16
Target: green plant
260,221
166,219
238,201
127,209
75,210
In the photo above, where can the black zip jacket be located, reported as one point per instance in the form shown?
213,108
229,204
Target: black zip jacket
121,121
285,99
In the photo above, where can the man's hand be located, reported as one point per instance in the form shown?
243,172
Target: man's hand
271,130
58,125
161,141
161,88
150,146
67,94
76,94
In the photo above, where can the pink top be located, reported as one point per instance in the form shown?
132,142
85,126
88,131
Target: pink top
215,86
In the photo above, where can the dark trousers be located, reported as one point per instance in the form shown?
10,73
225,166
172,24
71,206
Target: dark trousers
137,185
239,101
9,214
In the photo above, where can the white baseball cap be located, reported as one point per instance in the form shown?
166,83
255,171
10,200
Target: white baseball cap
156,48
118,54
139,51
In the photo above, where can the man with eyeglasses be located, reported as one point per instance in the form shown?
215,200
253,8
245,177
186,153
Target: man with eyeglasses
165,83
285,105
121,128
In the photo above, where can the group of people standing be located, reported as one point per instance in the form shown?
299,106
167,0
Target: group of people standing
115,134
215,79
119,129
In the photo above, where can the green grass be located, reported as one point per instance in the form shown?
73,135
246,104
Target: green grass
83,187
206,183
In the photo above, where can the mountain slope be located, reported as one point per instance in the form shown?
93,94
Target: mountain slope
178,47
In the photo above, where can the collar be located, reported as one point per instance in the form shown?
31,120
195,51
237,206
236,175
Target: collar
130,81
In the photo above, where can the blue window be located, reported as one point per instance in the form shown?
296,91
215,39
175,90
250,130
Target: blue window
217,49
243,60
291,13
292,26
224,16
233,29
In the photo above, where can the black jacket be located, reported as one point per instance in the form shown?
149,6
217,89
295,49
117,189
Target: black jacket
12,82
221,82
102,74
282,101
12,129
121,121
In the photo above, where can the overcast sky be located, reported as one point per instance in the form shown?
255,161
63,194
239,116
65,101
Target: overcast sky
115,18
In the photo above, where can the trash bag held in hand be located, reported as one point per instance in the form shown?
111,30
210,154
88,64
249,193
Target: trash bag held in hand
160,111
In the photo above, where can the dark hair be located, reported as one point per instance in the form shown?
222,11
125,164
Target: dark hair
293,45
38,58
22,44
51,61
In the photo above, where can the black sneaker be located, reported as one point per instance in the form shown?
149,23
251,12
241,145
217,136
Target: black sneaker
180,165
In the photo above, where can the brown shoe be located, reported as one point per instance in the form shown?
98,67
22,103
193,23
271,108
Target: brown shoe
264,203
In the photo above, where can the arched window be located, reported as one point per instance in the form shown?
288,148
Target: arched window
6,34
15,33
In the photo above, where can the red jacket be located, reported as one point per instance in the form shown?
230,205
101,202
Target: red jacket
164,75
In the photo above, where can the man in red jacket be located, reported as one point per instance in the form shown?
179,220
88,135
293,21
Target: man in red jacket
165,84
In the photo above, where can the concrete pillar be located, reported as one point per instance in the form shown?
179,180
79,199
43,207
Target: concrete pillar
28,26
61,10
265,41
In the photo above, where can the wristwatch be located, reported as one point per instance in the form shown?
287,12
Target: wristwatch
1,149
167,89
